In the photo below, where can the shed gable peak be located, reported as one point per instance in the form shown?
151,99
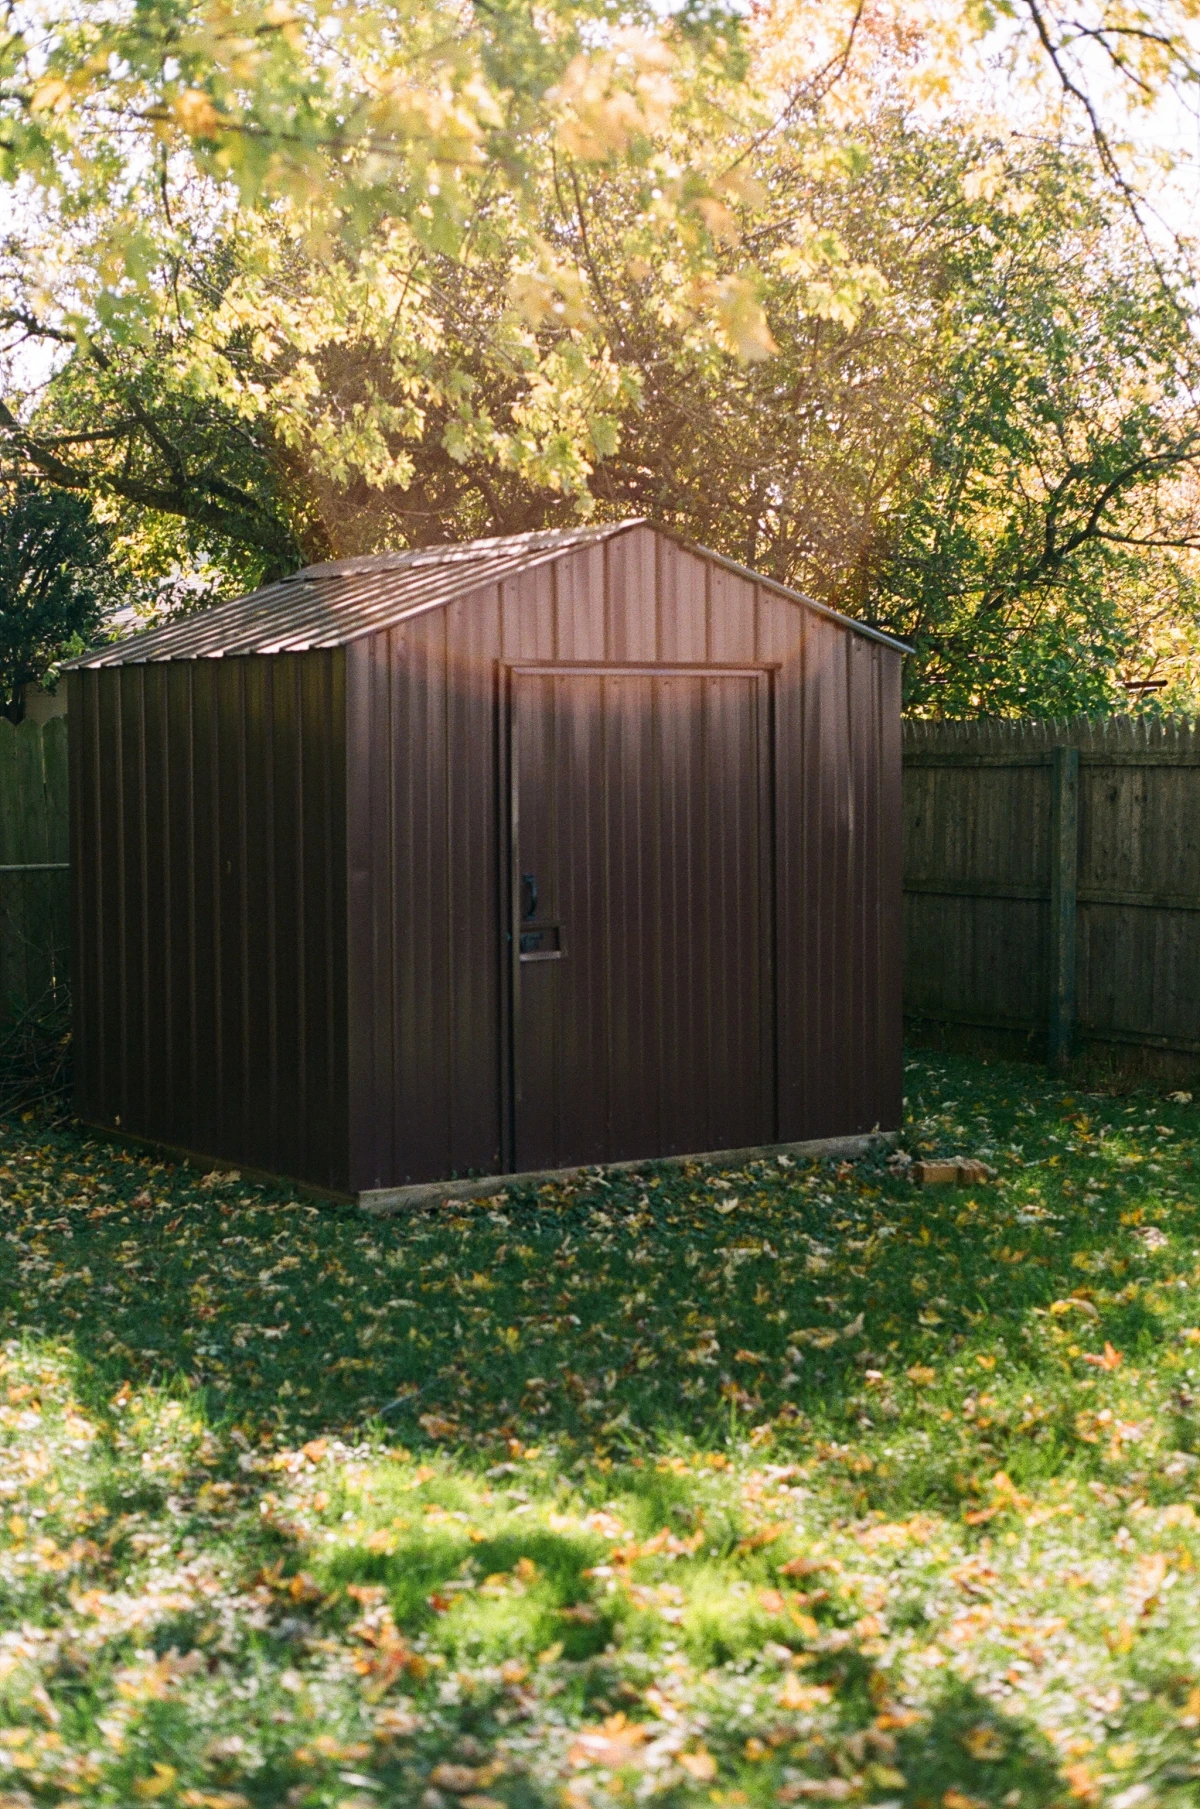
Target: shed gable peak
344,600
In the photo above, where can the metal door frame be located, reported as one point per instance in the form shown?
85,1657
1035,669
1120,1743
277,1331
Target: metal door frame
508,892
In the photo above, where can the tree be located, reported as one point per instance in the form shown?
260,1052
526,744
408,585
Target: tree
991,446
973,427
56,585
220,184
254,186
1058,487
483,271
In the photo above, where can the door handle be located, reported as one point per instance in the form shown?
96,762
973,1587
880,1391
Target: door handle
529,899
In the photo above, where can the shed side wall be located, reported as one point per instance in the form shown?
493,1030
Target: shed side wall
208,853
428,1037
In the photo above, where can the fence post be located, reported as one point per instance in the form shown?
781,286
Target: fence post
1064,879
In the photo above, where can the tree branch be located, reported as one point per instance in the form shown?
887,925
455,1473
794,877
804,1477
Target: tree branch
215,504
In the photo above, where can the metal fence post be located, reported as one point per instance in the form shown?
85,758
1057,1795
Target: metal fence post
1064,879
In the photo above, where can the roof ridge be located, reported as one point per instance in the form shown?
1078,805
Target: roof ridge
336,603
450,552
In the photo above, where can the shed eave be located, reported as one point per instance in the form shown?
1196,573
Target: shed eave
783,590
129,653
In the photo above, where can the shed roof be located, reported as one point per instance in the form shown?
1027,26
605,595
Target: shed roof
330,605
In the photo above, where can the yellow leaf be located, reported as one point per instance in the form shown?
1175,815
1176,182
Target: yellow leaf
983,1742
1076,1304
719,220
805,1696
195,113
743,321
986,182
699,1765
51,96
158,1785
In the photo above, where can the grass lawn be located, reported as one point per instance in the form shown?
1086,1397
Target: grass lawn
762,1486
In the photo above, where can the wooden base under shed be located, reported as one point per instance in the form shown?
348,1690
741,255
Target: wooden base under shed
383,1202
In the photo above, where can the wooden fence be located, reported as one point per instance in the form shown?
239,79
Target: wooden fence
34,895
1052,881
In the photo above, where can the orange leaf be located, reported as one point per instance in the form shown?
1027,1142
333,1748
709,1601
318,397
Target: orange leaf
1110,1360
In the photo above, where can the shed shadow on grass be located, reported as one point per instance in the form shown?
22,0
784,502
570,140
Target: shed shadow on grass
969,1751
646,1310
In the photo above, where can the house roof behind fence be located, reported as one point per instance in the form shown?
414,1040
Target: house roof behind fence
330,605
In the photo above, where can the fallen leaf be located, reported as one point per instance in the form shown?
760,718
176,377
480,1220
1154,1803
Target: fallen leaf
1111,1358
803,1696
162,1780
437,1425
803,1567
612,1746
455,1778
984,1743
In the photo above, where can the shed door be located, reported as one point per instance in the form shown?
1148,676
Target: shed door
643,1019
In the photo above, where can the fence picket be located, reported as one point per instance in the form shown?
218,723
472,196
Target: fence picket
981,943
34,900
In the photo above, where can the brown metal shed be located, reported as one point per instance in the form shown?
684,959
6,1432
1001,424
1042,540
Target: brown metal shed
558,849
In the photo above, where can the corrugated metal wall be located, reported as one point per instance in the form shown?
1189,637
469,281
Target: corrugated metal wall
208,840
430,1080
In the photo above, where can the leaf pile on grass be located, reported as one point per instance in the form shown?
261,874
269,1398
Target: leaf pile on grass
772,1485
